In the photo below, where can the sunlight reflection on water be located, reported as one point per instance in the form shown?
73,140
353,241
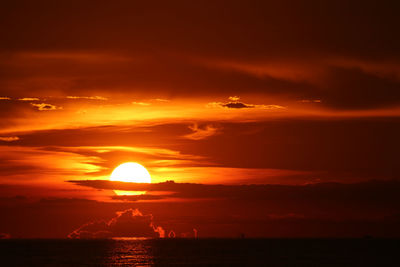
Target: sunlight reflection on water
131,251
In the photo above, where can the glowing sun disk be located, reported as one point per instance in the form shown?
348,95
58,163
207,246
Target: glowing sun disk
130,172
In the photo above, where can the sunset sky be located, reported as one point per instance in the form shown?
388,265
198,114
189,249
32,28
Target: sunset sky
272,118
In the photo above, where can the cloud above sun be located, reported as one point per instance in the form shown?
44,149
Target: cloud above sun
235,103
201,132
88,97
9,138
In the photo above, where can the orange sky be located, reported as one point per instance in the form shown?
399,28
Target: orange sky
302,96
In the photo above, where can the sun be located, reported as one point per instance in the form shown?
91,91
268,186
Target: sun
131,172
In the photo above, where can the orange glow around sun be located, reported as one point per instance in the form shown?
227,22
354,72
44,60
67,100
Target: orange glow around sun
130,172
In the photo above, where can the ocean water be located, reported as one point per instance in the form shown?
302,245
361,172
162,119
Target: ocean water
200,252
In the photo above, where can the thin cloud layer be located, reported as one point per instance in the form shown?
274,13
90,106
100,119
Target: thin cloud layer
356,192
237,105
357,209
201,133
29,99
340,64
9,138
234,103
88,97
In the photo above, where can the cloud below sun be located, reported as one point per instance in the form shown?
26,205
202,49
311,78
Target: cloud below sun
127,223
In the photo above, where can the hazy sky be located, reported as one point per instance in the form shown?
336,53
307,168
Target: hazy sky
285,114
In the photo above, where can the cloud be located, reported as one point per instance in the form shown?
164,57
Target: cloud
126,223
310,101
201,133
29,99
9,138
324,150
32,163
161,100
141,103
138,197
4,98
269,207
171,234
355,89
325,199
44,106
234,98
160,231
270,107
282,211
234,103
196,233
285,64
88,97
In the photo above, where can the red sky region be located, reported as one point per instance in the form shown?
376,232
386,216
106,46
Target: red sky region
272,119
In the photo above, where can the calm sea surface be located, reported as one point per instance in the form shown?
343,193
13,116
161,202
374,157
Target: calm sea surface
201,252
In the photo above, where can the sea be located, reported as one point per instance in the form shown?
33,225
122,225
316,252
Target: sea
200,252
